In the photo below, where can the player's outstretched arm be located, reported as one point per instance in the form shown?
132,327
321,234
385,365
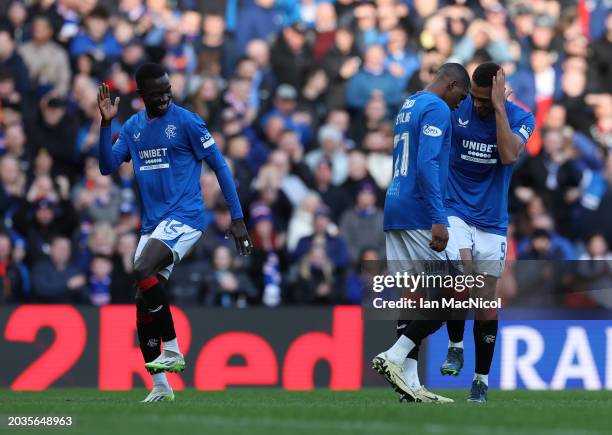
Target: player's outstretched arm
238,229
509,145
110,156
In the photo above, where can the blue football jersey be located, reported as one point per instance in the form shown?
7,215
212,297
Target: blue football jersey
421,143
478,182
167,153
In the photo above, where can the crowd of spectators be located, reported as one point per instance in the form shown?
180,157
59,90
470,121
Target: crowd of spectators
300,97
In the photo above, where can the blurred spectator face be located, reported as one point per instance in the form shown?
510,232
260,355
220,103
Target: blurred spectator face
285,103
330,139
42,32
102,239
542,36
376,141
157,5
556,117
358,166
326,20
496,14
597,246
397,40
280,160
536,207
60,251
274,128
53,110
96,27
321,223
376,109
101,267
366,16
290,143
17,13
222,258
366,198
541,244
542,222
123,31
344,40
14,138
126,245
5,247
84,64
259,51
223,219
9,170
387,17
339,119
238,148
7,46
425,8
191,23
132,54
323,173
374,58
540,60
43,186
553,142
43,163
573,83
44,213
247,69
209,91
295,40
266,4
524,22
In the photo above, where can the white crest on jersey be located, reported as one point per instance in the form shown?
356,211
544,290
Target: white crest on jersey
408,104
137,136
431,130
170,131
463,123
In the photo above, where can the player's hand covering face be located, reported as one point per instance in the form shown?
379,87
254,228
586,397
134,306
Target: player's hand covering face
499,95
238,229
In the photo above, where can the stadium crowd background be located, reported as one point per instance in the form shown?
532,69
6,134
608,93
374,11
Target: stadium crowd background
300,97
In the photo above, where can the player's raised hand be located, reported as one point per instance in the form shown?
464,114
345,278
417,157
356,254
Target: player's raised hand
498,90
439,237
244,244
108,109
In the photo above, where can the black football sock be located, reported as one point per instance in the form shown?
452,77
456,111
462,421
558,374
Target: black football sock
456,329
148,334
485,334
158,306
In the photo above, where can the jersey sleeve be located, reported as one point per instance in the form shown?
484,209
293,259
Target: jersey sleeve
113,155
434,130
522,125
199,138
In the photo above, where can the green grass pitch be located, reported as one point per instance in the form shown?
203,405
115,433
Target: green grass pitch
274,411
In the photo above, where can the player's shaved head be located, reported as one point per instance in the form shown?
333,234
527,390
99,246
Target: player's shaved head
148,71
484,73
451,83
454,71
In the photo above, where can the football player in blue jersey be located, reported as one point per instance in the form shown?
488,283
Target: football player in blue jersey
166,144
415,218
489,133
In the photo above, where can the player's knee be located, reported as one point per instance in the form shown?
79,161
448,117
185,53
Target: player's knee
142,270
